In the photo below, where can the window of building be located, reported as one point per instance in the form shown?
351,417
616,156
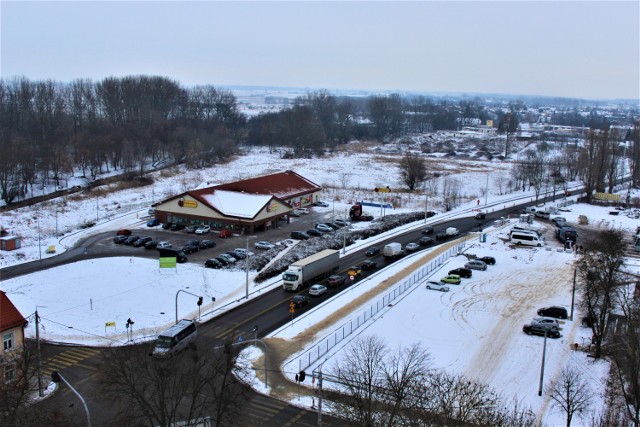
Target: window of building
7,341
9,373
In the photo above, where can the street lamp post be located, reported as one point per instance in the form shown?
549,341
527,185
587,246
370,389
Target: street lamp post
544,353
246,269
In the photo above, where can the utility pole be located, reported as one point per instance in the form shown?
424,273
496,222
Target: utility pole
39,360
320,396
573,292
544,352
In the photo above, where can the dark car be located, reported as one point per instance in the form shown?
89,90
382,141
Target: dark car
176,227
335,280
191,229
153,222
540,329
369,265
123,232
373,250
300,235
207,244
213,263
488,260
189,249
236,255
340,222
480,215
462,272
441,235
553,311
167,226
142,241
332,225
313,232
425,241
120,239
151,244
299,301
221,260
427,230
194,242
131,240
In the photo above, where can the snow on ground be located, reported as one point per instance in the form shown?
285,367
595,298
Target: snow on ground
475,329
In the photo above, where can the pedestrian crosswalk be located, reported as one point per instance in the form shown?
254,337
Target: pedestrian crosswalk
267,411
74,356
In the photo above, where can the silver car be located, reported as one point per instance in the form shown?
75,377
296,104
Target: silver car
437,286
476,265
227,258
264,245
546,321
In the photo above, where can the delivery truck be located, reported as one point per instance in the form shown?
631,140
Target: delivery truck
393,250
307,271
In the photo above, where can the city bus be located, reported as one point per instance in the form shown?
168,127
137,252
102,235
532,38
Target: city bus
175,338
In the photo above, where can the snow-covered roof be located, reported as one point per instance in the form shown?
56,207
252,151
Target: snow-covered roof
232,203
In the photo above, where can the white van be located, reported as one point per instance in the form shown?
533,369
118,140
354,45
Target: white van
527,238
175,338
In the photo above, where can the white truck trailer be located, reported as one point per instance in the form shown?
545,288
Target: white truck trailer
303,272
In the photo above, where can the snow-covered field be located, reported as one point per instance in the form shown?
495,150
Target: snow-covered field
475,329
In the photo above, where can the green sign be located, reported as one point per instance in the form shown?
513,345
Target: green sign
167,262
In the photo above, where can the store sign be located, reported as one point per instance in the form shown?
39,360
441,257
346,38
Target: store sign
167,262
273,207
187,203
607,196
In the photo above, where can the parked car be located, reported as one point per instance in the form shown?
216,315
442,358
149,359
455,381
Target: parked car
437,286
131,240
412,247
264,245
300,301
335,280
295,212
221,260
194,242
176,227
164,244
152,244
203,229
322,204
341,222
167,225
304,211
317,290
324,228
244,252
313,232
332,225
151,211
141,241
213,263
227,257
123,232
373,250
551,323
205,244
540,329
451,278
559,221
480,215
462,272
223,234
153,222
189,249
553,311
299,235
236,255
425,241
489,260
354,271
120,239
284,243
369,265
427,230
476,265
190,229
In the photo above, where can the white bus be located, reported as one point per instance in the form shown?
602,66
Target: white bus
175,338
526,238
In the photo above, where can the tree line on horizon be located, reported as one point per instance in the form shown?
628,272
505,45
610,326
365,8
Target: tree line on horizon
50,129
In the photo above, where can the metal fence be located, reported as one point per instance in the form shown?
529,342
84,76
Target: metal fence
307,358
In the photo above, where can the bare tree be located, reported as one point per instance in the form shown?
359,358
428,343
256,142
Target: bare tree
571,393
413,170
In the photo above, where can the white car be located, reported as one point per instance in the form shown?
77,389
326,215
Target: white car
321,203
317,290
324,228
412,247
285,243
304,211
164,244
264,245
551,323
227,258
243,251
203,229
437,286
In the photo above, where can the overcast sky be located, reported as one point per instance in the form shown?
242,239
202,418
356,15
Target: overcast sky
576,49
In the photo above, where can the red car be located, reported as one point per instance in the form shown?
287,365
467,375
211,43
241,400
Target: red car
225,233
123,232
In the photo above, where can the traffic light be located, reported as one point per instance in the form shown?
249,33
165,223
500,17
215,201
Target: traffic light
199,301
301,376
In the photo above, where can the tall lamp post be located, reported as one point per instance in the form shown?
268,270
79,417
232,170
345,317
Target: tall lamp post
246,270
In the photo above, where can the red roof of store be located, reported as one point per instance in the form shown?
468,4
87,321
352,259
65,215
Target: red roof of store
10,317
